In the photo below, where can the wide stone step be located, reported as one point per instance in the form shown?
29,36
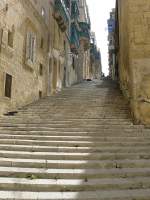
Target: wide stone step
73,121
77,97
90,132
71,125
77,107
15,120
34,148
74,138
93,134
73,128
96,100
65,185
44,173
74,156
67,116
143,194
74,164
68,105
70,111
73,114
73,143
85,128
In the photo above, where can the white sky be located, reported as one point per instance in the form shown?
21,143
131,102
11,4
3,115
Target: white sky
99,13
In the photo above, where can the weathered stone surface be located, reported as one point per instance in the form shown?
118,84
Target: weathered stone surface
80,144
134,56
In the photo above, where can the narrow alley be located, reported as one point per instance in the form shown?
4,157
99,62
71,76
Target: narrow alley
79,144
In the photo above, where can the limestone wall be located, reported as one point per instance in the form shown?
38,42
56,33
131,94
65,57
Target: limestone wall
26,79
51,52
45,69
140,56
124,70
134,54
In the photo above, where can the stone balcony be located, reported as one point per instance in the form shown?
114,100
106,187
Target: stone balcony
61,14
75,43
85,34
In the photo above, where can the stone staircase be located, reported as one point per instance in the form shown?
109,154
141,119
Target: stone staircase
78,145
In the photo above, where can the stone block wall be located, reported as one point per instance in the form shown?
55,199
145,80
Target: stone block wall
134,55
27,82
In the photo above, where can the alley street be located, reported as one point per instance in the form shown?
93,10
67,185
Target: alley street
77,145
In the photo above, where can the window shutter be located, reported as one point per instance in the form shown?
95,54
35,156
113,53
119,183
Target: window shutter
31,48
8,84
34,48
1,36
28,45
10,38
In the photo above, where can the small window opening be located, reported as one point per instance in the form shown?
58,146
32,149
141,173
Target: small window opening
73,63
41,69
10,38
43,12
8,85
40,94
42,43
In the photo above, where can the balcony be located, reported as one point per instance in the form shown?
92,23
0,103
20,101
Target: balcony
61,14
93,51
74,10
95,54
98,55
112,49
85,34
74,38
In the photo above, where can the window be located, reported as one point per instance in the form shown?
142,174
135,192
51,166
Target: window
42,43
10,38
40,94
50,67
73,63
41,69
59,67
43,12
48,43
64,45
1,36
8,83
6,8
31,47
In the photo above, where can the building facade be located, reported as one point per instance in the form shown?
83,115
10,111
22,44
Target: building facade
84,32
133,55
23,54
95,69
44,46
111,45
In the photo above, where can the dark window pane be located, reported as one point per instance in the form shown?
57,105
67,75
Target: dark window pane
8,83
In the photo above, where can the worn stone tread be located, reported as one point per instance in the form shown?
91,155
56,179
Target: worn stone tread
142,194
77,145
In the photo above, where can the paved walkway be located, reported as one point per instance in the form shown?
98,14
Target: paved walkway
78,145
